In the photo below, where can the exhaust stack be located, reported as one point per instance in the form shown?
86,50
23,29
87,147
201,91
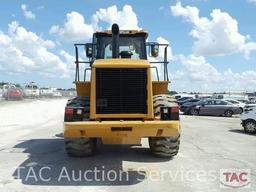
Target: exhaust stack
115,41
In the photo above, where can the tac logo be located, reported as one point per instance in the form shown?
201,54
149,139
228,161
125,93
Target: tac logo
235,178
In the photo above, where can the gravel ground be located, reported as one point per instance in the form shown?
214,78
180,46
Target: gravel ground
32,157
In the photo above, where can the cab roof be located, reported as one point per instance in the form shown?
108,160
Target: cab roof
123,32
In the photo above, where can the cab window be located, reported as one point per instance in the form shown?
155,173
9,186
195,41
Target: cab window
133,45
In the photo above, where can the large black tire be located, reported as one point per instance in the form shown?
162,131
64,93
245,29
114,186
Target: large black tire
163,101
80,102
250,126
80,147
164,146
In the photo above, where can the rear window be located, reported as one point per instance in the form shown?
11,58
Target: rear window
31,87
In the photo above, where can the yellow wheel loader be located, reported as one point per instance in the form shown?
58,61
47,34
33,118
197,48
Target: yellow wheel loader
121,103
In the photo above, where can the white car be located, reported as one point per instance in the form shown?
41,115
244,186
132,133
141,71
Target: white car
31,90
8,86
46,92
248,118
56,92
237,103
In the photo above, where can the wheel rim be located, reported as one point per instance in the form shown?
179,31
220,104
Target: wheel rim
194,112
250,127
229,113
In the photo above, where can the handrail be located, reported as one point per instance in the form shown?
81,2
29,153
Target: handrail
157,74
77,61
85,70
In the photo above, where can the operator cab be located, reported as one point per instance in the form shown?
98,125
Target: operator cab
131,45
122,44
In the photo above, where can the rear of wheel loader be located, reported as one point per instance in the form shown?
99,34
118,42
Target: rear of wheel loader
120,103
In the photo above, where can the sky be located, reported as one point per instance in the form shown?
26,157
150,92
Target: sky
212,42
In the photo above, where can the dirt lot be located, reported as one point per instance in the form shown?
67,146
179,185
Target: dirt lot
32,157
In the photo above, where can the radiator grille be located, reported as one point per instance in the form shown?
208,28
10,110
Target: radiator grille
120,91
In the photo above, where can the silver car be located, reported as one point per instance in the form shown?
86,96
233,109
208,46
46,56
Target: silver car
215,107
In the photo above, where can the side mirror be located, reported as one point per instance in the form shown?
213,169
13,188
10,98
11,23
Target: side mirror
154,50
88,49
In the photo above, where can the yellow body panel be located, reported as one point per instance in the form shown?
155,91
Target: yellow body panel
121,132
83,88
160,87
120,63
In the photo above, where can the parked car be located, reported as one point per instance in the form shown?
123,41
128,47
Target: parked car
252,100
237,103
243,101
249,105
236,96
13,93
31,90
215,107
186,107
46,92
181,95
184,99
56,92
7,86
190,100
248,118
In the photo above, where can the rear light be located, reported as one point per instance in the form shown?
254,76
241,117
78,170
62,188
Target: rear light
169,113
69,111
174,110
73,114
68,114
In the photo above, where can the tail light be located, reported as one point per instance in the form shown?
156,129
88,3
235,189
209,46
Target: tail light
69,111
74,114
169,113
174,109
68,114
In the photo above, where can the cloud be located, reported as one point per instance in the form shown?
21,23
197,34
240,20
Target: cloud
252,1
27,14
196,68
22,51
76,28
40,7
216,36
125,18
197,74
